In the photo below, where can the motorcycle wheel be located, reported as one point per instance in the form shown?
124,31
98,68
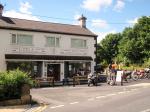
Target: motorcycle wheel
112,83
135,77
148,75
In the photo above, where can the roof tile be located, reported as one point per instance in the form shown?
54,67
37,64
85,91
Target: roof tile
22,24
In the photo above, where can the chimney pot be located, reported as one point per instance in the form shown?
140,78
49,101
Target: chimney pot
82,21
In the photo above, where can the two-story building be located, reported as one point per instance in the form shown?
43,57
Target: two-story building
46,49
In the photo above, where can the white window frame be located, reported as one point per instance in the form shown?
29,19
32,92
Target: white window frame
83,47
55,41
16,36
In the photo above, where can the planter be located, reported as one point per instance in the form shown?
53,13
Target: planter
25,97
25,90
10,102
25,94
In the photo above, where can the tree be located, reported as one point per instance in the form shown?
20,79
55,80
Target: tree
109,47
132,45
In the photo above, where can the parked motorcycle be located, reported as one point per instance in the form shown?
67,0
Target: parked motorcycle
134,75
147,73
127,75
140,74
92,79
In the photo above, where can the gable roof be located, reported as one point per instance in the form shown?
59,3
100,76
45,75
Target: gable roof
38,26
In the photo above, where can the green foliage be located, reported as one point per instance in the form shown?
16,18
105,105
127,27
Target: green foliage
146,62
11,83
129,47
109,47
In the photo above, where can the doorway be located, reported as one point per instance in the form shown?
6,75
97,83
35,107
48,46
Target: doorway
53,70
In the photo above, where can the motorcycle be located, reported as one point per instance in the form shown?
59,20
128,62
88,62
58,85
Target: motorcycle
92,79
134,75
147,73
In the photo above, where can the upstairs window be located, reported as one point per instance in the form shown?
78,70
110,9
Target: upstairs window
52,41
21,39
78,43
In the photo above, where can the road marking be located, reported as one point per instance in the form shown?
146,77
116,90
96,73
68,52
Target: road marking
100,97
40,109
111,94
147,110
58,106
121,92
36,110
43,108
74,103
90,99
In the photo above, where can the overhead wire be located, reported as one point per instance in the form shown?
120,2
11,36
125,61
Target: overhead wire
68,19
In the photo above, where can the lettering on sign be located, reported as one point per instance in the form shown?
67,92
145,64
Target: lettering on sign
79,52
27,50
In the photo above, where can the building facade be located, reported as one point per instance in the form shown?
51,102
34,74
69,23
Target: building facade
46,49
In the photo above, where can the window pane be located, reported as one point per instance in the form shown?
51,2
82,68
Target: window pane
57,42
24,39
13,40
51,41
78,43
84,43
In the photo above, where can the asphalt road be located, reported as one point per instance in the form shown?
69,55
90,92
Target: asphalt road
132,97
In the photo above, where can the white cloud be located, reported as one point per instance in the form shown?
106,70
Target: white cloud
133,21
24,7
96,5
119,5
99,23
101,35
23,13
77,16
14,14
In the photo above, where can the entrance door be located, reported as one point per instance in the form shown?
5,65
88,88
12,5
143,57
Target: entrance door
53,70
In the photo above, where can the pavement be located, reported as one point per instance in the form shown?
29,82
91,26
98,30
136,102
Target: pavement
23,108
43,96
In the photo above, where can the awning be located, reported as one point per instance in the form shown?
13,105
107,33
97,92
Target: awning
46,57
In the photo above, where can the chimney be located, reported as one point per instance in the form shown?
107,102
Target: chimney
1,10
82,21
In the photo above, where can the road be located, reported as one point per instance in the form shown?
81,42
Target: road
132,97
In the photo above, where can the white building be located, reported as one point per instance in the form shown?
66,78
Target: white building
46,49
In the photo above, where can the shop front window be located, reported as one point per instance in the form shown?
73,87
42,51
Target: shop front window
34,69
79,68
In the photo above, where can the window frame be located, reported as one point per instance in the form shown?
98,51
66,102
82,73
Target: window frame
55,41
84,43
16,38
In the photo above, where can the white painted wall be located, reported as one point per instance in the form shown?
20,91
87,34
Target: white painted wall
39,47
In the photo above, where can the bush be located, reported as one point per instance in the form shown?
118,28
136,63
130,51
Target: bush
11,83
146,63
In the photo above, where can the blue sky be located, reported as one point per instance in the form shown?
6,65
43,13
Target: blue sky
103,16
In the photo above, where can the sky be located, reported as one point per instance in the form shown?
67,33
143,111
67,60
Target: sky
103,16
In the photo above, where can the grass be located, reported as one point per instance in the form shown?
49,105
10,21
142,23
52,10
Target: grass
132,67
